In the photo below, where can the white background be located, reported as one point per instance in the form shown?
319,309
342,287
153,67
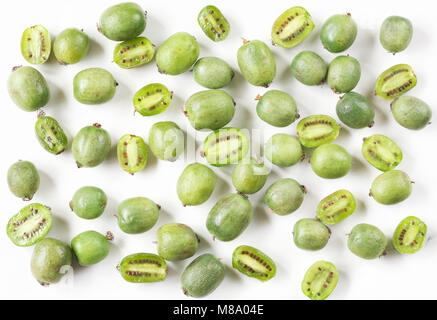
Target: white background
394,276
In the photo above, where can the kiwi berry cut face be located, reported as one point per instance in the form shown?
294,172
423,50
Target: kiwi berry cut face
336,207
313,131
253,263
409,235
395,81
320,280
381,152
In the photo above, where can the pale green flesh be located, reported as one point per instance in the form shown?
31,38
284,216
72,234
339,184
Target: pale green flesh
293,26
396,81
411,235
213,22
151,269
224,150
316,131
320,279
336,208
253,264
36,44
132,153
30,226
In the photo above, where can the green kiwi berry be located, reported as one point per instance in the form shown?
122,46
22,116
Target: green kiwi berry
213,23
320,280
283,150
411,113
253,263
409,235
176,241
91,247
336,207
309,68
391,187
355,111
277,108
381,152
36,44
285,196
367,241
166,140
313,131
23,180
196,184
396,34
94,86
71,46
91,146
249,176
331,161
89,202
338,33
137,215
395,81
310,234
344,73
212,73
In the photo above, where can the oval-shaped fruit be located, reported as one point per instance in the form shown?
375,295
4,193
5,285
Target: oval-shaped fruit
51,260
91,247
355,111
176,241
213,23
331,161
338,33
313,131
152,99
134,53
292,27
391,187
210,109
344,73
381,152
71,46
409,235
23,180
202,276
123,21
257,63
212,72
309,68
137,215
229,217
226,146
91,146
28,88
395,81
320,280
30,225
249,176
50,134
283,150
94,86
166,140
177,54
196,184
132,153
284,196
253,263
367,241
89,202
143,268
277,108
310,234
36,44
336,207
411,113
396,34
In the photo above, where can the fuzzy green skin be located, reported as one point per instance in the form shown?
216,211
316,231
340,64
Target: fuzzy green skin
229,217
71,46
284,197
91,146
123,21
336,207
89,202
132,153
36,44
391,187
134,53
344,73
51,260
202,276
50,135
338,33
232,146
20,235
409,235
176,242
283,150
177,54
94,86
213,23
367,241
395,81
310,234
277,108
309,68
196,184
381,152
166,140
249,177
90,247
152,99
262,267
152,267
313,131
287,30
23,180
320,280
257,63
331,161
396,34
28,89
137,215
355,111
212,73
411,113
210,109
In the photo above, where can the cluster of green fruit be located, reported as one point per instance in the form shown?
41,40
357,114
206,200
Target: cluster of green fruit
213,109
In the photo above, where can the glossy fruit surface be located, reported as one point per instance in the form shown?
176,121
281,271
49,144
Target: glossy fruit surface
213,23
89,202
320,280
355,111
253,263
